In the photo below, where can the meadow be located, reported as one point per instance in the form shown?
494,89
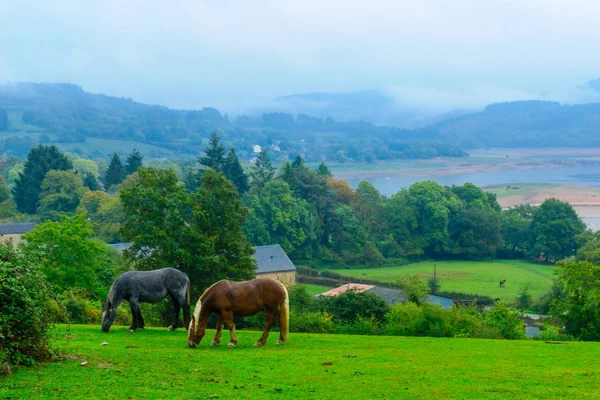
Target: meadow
471,277
156,363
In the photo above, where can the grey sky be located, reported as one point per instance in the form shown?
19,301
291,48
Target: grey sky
237,54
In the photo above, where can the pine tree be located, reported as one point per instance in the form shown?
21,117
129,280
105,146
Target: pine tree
323,170
262,171
39,161
234,171
4,123
214,154
116,172
134,161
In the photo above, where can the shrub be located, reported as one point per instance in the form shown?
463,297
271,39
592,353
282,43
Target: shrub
506,320
312,322
24,320
350,305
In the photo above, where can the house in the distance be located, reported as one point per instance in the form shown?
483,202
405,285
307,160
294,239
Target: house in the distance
389,295
12,232
272,262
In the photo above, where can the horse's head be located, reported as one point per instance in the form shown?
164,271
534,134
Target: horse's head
109,314
197,329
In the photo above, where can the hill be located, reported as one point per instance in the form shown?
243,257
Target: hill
524,124
156,363
66,114
470,277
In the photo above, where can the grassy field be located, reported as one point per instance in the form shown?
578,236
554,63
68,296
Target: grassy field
470,276
156,363
314,289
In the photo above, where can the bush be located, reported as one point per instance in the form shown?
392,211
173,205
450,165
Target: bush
350,305
506,320
24,320
312,322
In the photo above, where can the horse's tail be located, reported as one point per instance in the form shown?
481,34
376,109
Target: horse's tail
284,317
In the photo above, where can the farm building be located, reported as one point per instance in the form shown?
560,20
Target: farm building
272,262
389,295
12,232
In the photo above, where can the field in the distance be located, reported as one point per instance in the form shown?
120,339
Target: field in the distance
156,363
472,277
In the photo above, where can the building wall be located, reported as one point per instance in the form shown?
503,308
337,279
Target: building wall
288,278
11,238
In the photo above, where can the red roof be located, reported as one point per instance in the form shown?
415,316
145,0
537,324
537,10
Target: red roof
348,286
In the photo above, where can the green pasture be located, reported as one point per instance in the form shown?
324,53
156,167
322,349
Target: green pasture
156,363
314,289
472,277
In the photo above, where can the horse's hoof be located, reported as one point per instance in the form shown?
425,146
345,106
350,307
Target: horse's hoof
280,342
131,330
231,345
214,344
171,328
258,344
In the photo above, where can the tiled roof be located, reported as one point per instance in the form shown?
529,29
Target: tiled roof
390,296
16,228
348,286
272,258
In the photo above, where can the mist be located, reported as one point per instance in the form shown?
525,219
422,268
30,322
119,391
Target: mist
238,56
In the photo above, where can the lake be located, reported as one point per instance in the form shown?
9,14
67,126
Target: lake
588,175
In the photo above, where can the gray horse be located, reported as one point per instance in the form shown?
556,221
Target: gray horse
148,287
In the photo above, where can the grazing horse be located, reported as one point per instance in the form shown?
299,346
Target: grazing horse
502,283
147,287
227,298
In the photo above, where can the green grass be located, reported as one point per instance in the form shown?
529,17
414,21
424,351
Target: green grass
314,289
471,277
156,363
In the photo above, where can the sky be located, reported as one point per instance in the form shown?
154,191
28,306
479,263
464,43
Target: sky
238,55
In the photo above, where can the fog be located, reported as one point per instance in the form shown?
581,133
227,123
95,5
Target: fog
432,55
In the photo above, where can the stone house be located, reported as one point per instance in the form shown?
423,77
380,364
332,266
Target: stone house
12,232
273,262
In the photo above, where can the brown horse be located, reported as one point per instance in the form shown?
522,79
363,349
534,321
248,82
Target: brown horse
227,298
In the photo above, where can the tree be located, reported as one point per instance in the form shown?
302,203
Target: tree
4,190
415,289
323,170
579,307
61,193
85,167
39,161
105,212
116,172
4,123
234,171
134,161
371,208
214,154
91,182
279,217
68,256
8,207
199,233
516,230
555,226
262,171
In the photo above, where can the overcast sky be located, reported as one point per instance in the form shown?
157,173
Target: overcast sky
237,54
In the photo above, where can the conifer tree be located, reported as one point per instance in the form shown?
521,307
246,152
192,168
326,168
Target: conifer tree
116,172
214,154
134,161
234,171
91,182
323,170
40,160
262,171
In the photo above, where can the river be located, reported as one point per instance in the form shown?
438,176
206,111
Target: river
588,175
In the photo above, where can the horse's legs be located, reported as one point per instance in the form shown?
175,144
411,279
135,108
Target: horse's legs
135,310
176,316
141,323
228,316
269,319
217,338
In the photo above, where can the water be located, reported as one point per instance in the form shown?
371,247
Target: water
588,175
